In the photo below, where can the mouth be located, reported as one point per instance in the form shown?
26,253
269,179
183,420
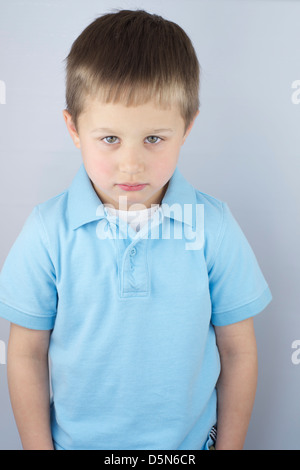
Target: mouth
132,187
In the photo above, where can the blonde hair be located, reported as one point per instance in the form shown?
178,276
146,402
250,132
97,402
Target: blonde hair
132,57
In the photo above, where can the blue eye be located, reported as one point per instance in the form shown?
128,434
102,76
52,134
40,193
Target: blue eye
151,139
110,139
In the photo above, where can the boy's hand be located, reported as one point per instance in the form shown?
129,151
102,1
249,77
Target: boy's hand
237,383
28,381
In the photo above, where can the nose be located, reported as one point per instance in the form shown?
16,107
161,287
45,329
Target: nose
131,161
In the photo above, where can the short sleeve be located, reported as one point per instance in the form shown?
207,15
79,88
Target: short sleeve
238,288
28,295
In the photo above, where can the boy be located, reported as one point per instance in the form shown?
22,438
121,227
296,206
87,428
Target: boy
146,311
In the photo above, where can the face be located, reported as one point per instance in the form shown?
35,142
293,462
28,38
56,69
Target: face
128,151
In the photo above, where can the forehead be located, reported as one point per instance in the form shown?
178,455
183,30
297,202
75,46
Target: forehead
149,115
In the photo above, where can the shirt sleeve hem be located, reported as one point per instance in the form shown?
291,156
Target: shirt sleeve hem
33,322
242,313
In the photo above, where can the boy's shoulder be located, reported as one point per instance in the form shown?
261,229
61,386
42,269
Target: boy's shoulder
215,214
54,207
215,211
211,203
184,192
213,207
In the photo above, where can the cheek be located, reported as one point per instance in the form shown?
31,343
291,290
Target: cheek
166,164
100,166
100,173
104,167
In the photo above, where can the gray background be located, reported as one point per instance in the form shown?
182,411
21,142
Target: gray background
244,149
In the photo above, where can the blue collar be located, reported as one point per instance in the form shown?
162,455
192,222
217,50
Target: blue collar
84,205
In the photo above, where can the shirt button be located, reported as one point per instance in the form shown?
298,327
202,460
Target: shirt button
133,252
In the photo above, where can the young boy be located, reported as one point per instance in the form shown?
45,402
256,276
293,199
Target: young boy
141,288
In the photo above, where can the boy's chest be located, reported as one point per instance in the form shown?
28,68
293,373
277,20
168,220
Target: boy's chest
124,295
126,268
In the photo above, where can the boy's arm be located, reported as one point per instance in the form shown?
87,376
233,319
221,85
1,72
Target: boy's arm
236,386
28,381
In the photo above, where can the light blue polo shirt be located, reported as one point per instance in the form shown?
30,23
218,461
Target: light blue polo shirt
134,361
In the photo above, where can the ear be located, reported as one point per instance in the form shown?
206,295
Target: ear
190,127
71,128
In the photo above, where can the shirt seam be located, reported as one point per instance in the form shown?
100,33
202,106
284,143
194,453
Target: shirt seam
46,238
231,309
218,243
36,315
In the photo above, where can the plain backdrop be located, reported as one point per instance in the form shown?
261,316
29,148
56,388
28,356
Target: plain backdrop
243,149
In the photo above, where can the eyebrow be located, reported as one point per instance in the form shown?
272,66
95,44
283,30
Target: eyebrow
163,130
112,132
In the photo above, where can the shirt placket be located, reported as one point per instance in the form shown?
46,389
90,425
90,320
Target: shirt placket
132,259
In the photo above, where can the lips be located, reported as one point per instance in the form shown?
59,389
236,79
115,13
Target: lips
132,187
131,184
